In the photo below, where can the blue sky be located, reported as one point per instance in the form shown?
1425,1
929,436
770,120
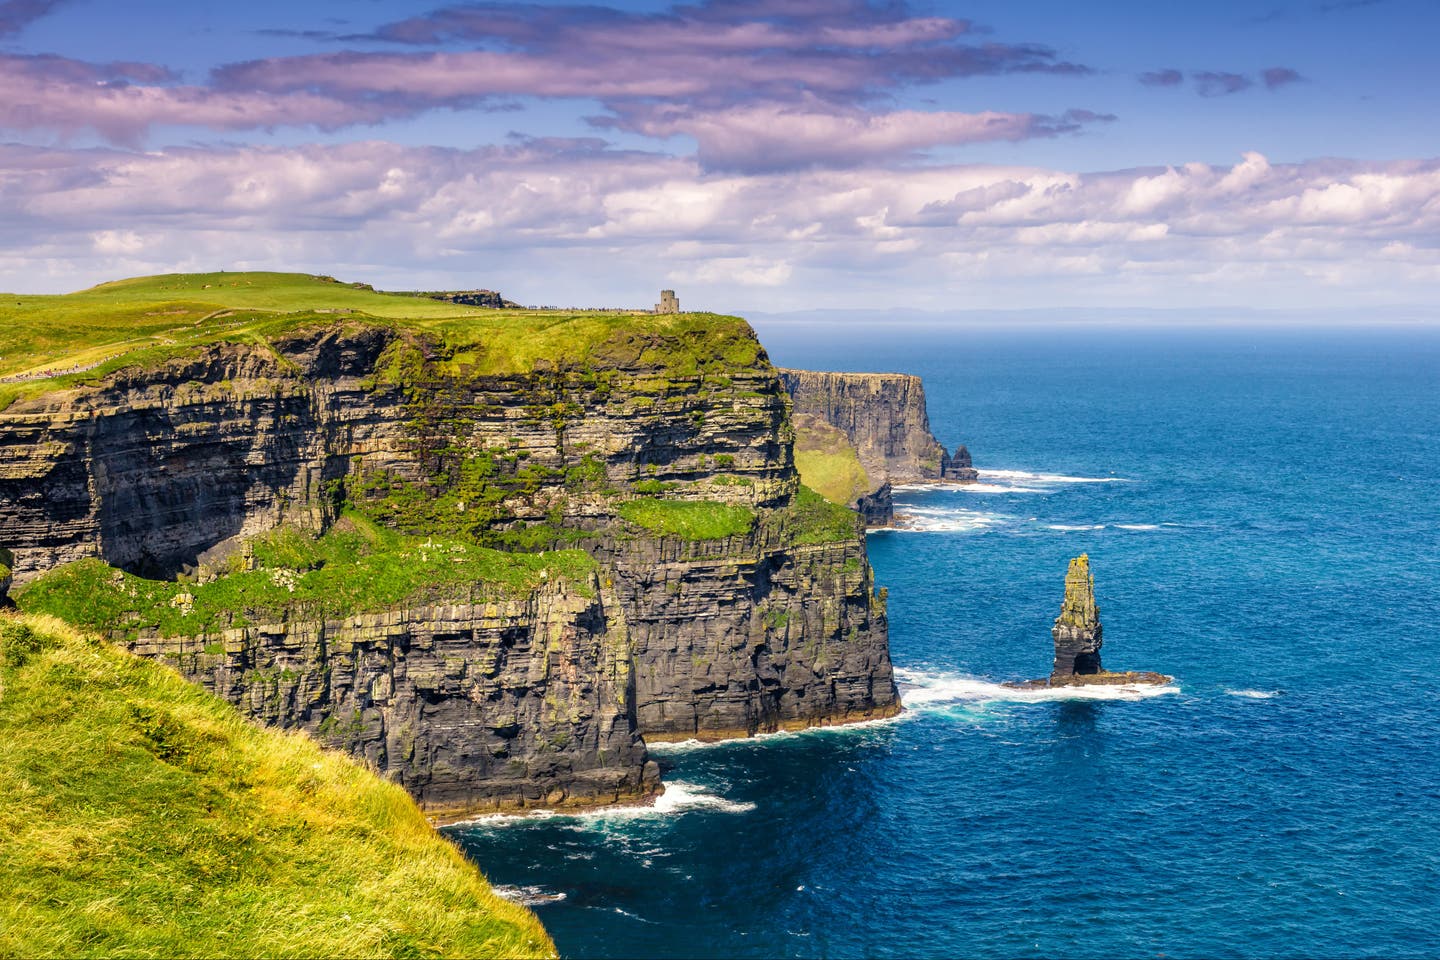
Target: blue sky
754,154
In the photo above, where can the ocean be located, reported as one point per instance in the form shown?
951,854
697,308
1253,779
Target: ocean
1262,512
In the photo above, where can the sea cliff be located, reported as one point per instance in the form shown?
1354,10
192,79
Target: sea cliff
713,596
882,414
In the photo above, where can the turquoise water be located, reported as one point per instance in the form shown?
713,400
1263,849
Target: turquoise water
1262,510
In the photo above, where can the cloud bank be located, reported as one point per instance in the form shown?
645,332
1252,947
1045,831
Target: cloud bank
537,211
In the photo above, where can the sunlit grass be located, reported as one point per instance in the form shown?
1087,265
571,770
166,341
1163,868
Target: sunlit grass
143,817
76,338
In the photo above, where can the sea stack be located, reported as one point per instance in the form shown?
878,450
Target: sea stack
1077,631
1078,637
959,468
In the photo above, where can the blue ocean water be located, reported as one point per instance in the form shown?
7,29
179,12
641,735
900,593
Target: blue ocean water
1262,512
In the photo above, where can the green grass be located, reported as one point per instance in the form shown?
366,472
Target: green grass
143,817
827,461
356,567
688,519
811,519
140,322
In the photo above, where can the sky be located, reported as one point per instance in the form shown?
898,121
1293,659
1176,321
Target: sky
754,155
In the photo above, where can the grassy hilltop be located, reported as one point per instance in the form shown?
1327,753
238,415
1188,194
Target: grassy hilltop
63,340
144,817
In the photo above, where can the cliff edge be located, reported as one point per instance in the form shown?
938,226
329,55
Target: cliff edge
252,497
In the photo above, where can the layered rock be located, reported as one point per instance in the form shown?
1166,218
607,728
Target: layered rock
164,470
1077,632
883,415
443,698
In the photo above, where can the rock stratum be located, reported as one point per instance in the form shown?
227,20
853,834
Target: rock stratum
649,566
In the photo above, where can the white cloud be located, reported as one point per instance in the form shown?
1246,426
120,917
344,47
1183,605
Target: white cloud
559,224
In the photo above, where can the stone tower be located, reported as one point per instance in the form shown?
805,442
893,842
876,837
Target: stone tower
668,303
1077,630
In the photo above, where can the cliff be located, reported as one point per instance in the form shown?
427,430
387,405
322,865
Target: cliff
722,599
882,414
145,817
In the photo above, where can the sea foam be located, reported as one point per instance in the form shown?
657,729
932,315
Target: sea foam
920,690
1027,477
526,895
1254,694
910,518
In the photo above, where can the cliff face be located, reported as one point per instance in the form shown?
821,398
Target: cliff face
883,414
470,706
471,703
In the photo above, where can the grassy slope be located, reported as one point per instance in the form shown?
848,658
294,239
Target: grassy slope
356,567
688,519
827,460
144,817
136,321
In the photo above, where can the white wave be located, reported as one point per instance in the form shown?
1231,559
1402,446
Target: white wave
841,729
677,798
680,796
1255,694
992,488
1027,477
632,916
526,895
920,690
1074,526
911,518
1138,526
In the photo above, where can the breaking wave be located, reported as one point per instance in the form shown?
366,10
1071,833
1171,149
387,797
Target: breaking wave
1027,478
910,518
526,895
678,797
921,690
1255,694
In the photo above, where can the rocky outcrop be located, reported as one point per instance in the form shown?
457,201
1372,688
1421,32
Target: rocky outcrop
877,509
958,468
472,703
883,414
1078,637
1077,632
6,578
475,298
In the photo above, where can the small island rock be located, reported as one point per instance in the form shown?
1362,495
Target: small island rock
1078,637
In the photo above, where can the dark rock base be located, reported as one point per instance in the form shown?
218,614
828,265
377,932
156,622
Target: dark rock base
1102,679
